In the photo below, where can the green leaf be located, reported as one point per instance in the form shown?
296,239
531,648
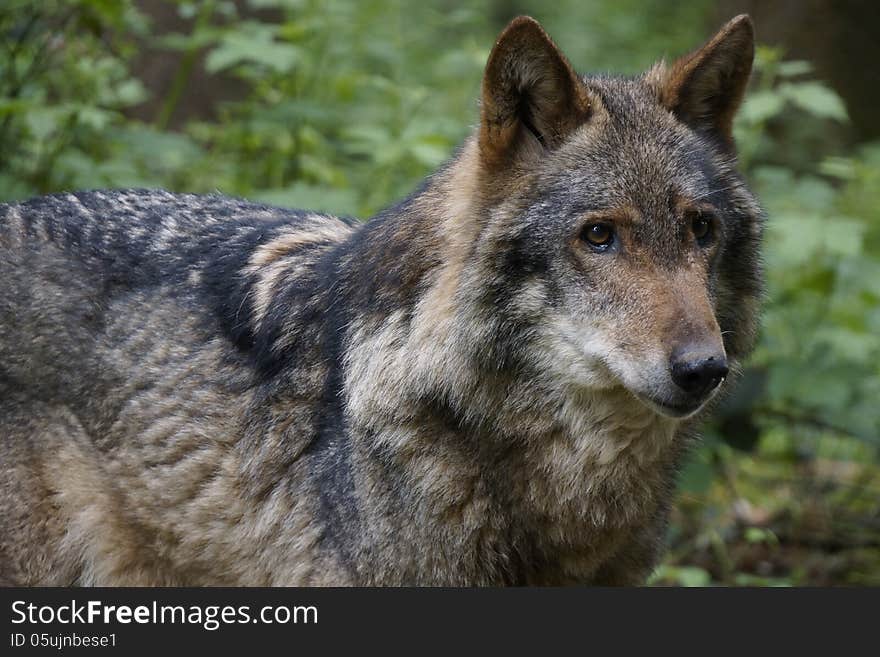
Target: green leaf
93,117
44,121
311,197
186,42
761,106
690,576
845,344
794,68
429,153
760,535
815,98
276,4
253,43
795,239
131,92
839,167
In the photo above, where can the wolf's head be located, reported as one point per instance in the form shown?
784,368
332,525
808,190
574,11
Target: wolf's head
613,221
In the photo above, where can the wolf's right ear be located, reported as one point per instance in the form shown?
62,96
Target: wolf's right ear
531,96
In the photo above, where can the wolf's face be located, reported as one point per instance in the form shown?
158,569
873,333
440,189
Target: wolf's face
618,200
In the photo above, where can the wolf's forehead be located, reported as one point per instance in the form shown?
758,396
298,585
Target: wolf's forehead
646,181
637,153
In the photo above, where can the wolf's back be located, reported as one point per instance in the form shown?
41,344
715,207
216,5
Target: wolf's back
73,266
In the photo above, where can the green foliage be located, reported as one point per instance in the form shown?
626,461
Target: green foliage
64,82
346,105
823,236
806,409
345,109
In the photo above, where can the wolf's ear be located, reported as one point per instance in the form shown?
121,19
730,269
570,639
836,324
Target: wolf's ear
704,88
531,97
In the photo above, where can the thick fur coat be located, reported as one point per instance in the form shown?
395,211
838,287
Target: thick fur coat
483,385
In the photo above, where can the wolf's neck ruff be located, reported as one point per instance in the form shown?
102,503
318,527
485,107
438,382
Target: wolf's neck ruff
431,386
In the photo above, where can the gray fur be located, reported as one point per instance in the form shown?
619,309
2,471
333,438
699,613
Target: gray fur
198,390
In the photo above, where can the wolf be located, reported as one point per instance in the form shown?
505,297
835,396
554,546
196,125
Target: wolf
493,382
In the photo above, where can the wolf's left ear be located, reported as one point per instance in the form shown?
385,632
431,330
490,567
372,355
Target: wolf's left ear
531,97
704,89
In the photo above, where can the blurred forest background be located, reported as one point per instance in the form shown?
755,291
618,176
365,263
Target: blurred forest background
344,105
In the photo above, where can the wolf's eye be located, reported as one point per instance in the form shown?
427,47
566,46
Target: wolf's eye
598,236
701,225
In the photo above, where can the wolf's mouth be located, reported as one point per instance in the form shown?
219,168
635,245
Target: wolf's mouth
678,411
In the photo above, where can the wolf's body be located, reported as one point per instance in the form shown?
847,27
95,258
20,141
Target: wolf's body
200,390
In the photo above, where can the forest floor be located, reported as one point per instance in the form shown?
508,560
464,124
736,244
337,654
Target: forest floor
776,518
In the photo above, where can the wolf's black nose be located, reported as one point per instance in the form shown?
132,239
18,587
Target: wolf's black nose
698,375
